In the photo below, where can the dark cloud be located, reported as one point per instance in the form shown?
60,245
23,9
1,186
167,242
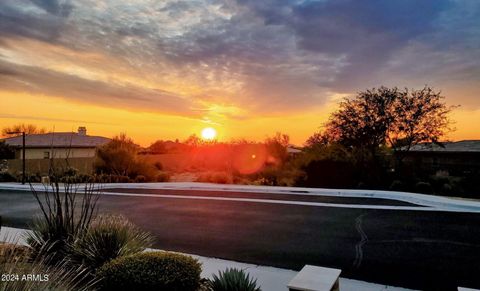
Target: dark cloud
365,32
15,22
269,56
55,7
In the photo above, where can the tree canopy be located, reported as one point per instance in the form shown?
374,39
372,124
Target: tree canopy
388,117
22,127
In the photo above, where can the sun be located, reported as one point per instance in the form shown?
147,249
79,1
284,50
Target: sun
209,133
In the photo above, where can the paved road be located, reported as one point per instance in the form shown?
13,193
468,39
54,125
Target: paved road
412,248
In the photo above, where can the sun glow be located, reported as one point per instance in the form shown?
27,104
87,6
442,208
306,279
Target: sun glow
209,133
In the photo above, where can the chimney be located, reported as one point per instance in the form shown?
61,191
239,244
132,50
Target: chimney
82,130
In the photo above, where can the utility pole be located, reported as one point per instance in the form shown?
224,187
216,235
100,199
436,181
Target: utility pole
23,158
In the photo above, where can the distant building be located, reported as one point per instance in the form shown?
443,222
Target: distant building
293,150
57,145
78,147
454,158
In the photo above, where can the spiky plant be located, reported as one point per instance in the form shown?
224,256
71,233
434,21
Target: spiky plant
20,273
233,279
67,210
108,237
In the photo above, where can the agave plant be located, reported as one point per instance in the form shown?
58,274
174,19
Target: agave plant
233,280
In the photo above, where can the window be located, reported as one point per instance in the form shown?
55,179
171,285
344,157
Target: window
46,155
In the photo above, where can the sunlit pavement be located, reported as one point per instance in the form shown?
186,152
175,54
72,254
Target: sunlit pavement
399,239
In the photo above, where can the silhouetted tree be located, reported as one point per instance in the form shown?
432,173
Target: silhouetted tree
158,147
27,128
193,140
119,157
277,147
419,116
6,151
390,117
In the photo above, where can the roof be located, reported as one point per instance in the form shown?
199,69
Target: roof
293,150
58,139
458,146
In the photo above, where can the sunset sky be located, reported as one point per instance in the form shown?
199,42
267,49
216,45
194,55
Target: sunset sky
167,69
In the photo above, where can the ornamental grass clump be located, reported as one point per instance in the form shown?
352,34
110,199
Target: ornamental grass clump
108,237
233,280
20,273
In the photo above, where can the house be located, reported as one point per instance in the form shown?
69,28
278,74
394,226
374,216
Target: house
453,158
78,147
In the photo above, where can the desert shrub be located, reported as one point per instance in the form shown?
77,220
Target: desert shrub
65,216
32,178
215,177
162,177
151,271
110,178
123,179
397,185
120,157
107,238
7,177
12,253
424,187
158,166
233,280
140,179
328,174
15,261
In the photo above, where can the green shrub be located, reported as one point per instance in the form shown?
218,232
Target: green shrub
160,271
233,280
49,239
108,237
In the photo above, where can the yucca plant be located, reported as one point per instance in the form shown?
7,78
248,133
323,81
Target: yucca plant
233,279
67,210
108,237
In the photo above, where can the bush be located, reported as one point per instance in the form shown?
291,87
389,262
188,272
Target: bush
151,271
397,186
215,177
7,177
140,179
233,280
12,253
424,187
15,261
158,166
108,237
162,177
